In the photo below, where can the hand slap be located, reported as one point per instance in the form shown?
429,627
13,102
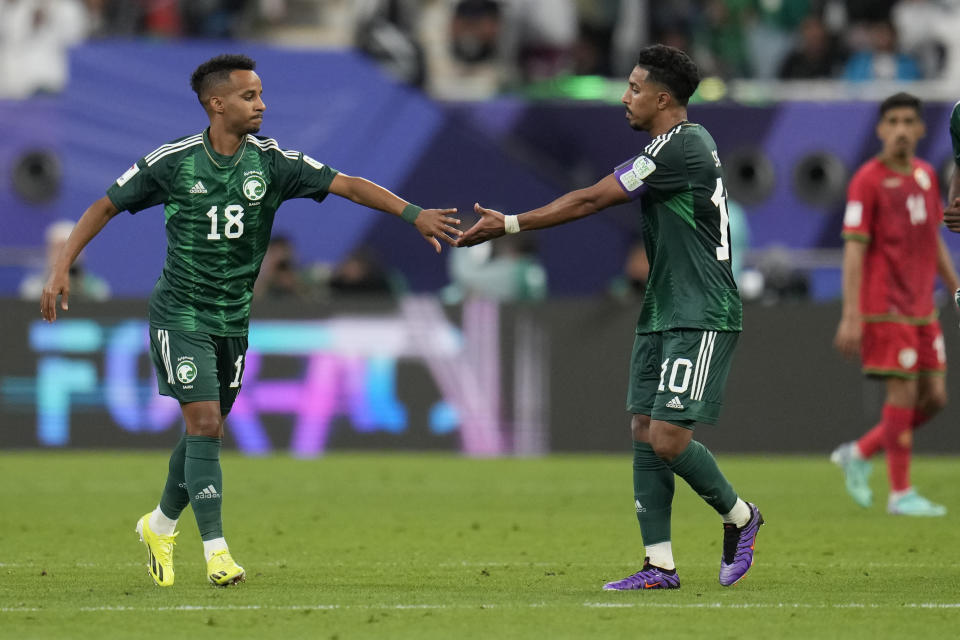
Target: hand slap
488,227
438,223
951,216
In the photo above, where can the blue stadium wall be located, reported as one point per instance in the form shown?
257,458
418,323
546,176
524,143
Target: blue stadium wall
787,163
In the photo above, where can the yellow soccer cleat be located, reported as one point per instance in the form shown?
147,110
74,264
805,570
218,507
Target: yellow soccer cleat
223,571
159,552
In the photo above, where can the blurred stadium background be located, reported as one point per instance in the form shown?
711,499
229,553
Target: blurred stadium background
362,337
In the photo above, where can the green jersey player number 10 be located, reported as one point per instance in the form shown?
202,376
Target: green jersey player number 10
719,200
233,228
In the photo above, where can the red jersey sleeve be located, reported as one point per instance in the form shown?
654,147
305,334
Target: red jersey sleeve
861,206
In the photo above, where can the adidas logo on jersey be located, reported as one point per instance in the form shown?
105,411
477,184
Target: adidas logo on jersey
675,403
208,492
198,188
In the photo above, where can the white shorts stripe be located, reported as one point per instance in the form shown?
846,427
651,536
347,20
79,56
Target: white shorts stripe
698,367
711,340
163,337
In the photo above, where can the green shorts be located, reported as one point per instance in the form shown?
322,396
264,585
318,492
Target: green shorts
678,376
194,367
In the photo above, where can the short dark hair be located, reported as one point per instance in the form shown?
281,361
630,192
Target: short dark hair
671,68
217,70
900,100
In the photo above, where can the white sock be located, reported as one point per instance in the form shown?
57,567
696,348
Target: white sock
855,452
896,495
212,546
161,524
739,515
661,555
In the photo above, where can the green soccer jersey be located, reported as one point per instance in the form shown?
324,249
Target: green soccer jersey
686,233
219,212
955,133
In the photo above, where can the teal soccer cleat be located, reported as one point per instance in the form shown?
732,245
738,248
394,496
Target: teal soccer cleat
856,473
913,504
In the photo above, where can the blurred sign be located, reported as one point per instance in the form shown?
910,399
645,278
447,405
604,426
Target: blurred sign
306,382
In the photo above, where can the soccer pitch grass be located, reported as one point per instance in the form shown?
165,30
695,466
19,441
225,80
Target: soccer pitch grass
436,546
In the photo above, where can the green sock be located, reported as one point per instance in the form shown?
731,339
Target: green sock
204,484
653,493
175,497
697,466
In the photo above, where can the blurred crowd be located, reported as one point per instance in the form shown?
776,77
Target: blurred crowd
474,49
477,49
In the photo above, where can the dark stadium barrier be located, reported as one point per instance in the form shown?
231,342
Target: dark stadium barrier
480,379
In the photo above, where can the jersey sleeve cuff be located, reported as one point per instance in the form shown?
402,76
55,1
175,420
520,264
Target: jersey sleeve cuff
856,236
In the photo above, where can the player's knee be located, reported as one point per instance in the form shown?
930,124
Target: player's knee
667,448
934,402
640,428
204,425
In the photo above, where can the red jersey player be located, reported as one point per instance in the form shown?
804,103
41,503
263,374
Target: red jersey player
891,257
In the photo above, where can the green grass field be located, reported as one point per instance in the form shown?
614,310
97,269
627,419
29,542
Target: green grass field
433,546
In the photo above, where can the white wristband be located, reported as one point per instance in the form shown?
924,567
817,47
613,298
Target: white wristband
511,224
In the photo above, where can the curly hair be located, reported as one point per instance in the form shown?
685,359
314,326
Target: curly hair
217,70
671,68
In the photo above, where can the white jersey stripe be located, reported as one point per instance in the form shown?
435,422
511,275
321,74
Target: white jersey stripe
270,143
169,145
173,150
664,142
166,147
653,142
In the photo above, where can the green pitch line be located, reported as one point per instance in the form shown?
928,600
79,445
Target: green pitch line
435,546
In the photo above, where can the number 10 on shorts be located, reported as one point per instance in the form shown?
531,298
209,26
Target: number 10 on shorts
679,375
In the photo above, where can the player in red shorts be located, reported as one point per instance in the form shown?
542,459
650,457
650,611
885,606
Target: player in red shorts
891,257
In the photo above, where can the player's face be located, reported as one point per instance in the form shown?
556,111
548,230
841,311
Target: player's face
900,129
243,105
642,99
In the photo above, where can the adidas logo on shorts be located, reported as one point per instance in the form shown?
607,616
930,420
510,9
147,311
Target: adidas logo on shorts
675,403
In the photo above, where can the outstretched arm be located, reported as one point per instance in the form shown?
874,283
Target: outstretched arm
945,268
951,215
431,223
571,206
91,222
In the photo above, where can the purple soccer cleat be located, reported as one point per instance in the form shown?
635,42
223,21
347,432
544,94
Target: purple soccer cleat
738,545
650,577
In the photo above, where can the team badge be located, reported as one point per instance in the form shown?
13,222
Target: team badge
922,178
254,187
907,358
186,371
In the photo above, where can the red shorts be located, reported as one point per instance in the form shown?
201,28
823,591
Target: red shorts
905,350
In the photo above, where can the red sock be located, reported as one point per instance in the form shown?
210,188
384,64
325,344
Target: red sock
871,442
897,422
919,419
